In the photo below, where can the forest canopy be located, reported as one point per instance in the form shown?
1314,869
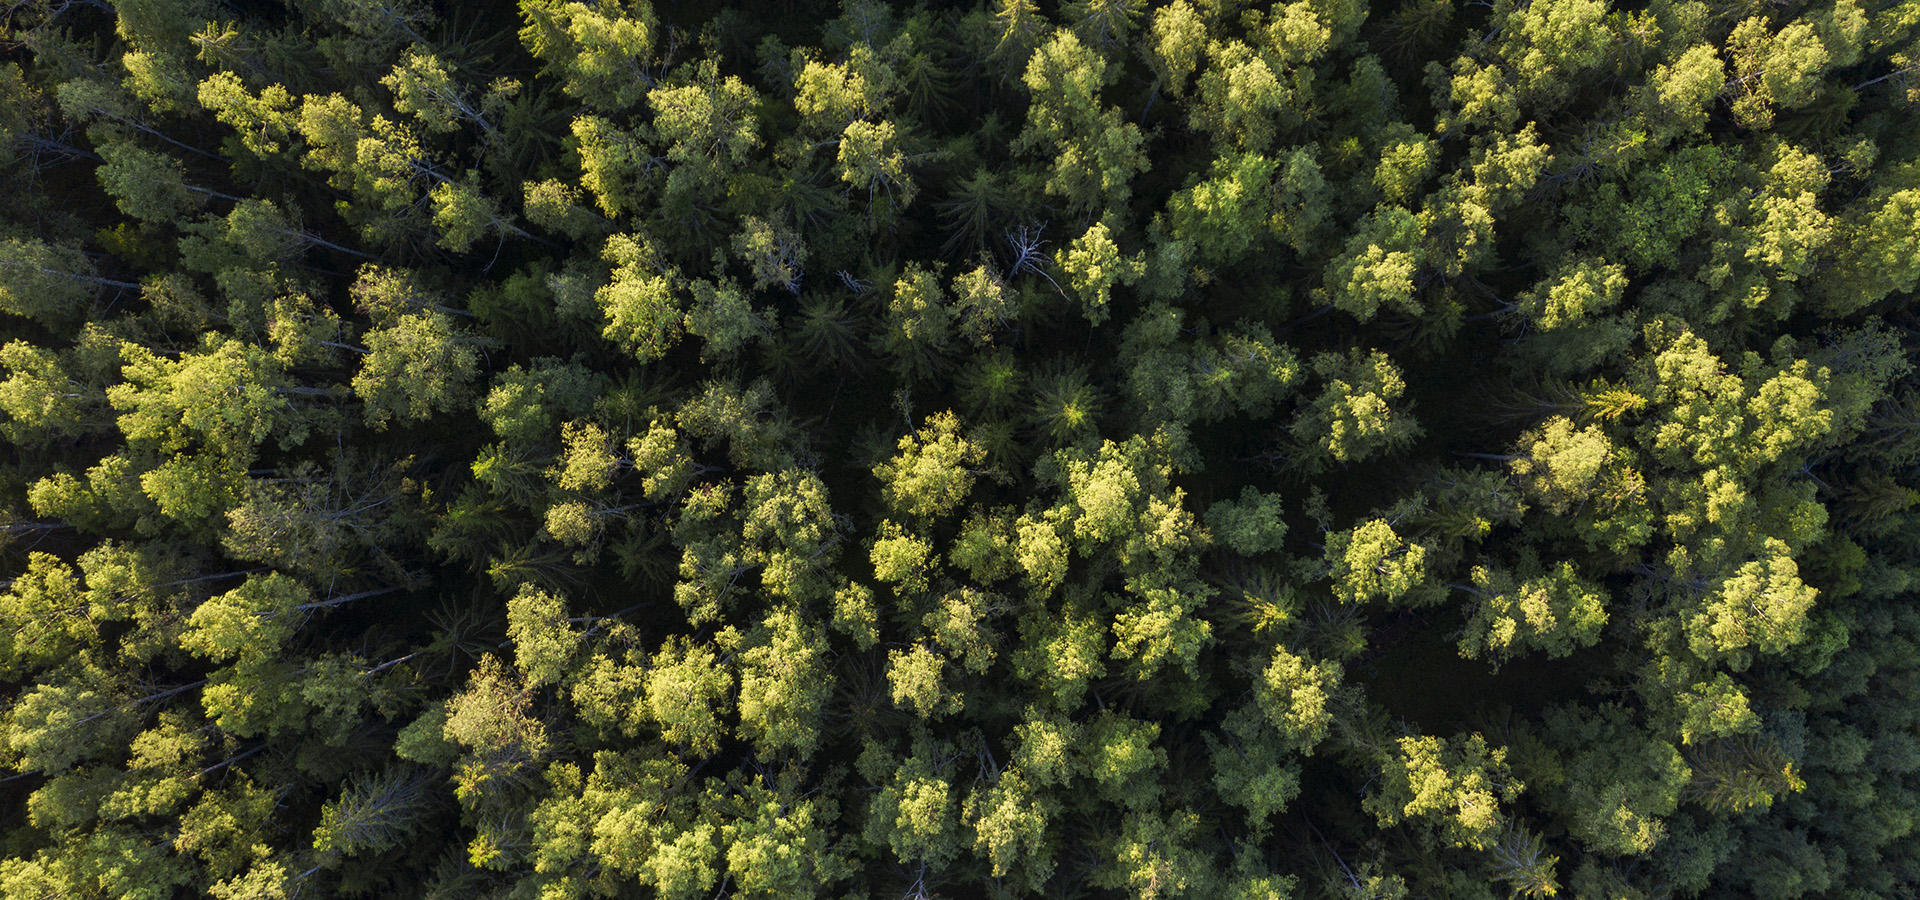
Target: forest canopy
1108,449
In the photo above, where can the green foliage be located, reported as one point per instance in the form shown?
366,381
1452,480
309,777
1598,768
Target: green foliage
864,477
1378,266
417,365
148,185
1556,611
1454,784
915,813
642,315
704,117
1093,266
1615,785
47,283
1225,215
251,622
930,475
918,324
1372,563
1095,154
373,814
1352,418
525,404
543,641
600,54
47,397
46,614
1294,693
686,690
783,686
1569,331
1250,525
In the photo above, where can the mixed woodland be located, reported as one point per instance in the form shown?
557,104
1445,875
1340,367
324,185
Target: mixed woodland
1097,449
